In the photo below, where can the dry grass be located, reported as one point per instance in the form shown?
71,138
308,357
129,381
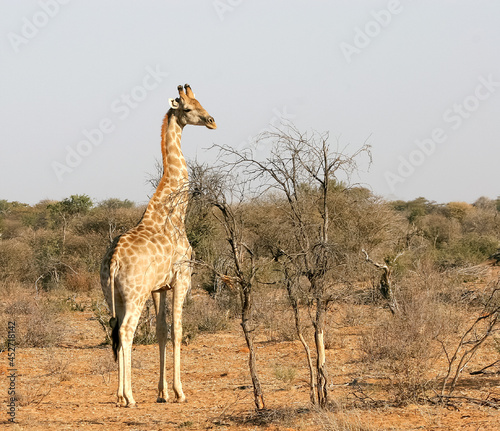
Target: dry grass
341,420
39,319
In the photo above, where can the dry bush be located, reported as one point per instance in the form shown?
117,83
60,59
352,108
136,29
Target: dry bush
226,299
57,365
145,332
483,220
354,314
84,252
458,210
42,329
12,227
15,260
439,229
101,314
32,392
81,281
107,221
272,310
104,365
203,314
285,374
38,322
403,348
333,339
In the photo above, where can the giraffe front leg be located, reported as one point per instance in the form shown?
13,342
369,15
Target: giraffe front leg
179,293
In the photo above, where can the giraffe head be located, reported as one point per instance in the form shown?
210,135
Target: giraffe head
189,111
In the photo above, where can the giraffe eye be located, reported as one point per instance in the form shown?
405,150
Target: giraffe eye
187,110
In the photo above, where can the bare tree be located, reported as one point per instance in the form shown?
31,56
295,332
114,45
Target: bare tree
305,170
486,324
292,286
210,187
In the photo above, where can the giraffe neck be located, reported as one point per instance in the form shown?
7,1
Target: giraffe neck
170,197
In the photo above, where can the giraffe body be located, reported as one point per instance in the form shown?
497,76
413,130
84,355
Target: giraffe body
154,256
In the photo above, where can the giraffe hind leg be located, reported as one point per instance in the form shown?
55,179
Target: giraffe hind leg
121,401
159,299
115,336
119,354
127,330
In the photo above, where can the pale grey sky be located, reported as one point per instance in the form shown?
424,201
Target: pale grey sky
420,79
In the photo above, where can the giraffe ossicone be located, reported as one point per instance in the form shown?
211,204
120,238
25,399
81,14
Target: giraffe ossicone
154,256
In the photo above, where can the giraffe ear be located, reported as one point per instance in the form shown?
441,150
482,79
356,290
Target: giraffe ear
173,103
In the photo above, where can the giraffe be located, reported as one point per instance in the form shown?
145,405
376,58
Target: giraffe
153,257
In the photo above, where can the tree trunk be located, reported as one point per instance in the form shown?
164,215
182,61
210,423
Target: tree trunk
312,378
385,284
246,309
319,330
385,287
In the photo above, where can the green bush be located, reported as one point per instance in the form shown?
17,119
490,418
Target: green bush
469,249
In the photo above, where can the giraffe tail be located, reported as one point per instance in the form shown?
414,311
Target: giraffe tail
113,322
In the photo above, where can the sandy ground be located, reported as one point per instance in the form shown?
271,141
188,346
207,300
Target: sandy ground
73,386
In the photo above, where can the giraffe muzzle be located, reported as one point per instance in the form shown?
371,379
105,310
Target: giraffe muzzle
210,123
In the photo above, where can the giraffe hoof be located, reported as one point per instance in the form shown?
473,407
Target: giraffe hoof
121,402
161,400
132,406
181,399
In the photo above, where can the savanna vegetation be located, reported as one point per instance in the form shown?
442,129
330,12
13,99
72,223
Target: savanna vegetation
291,248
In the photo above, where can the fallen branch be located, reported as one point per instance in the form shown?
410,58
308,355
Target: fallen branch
493,404
481,371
